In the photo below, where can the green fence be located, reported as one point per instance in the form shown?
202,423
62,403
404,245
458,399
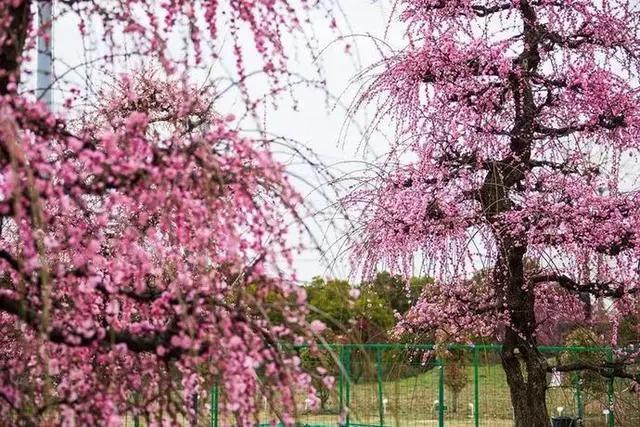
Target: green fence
418,385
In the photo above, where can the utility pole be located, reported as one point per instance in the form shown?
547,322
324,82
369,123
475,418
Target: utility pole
45,53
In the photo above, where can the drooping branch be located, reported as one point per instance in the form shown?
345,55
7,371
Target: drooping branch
597,288
9,259
564,167
484,11
605,121
479,10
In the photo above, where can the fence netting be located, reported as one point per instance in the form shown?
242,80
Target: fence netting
421,385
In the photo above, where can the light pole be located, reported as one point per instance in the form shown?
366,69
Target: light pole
45,53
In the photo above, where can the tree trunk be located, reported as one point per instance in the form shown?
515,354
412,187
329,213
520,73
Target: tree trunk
526,374
454,402
16,18
524,366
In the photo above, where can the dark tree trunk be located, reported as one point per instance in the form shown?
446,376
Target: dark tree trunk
11,50
526,375
524,366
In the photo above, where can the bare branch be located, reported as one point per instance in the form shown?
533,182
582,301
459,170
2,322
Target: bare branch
606,369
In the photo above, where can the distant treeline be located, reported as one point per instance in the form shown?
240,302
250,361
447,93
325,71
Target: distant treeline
366,312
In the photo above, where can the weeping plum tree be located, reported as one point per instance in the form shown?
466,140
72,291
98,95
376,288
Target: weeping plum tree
129,226
516,124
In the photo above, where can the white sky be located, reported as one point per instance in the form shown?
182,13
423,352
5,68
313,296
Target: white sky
313,125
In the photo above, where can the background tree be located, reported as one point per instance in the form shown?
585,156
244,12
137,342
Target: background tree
129,227
515,120
352,314
331,303
456,376
394,289
591,383
365,313
373,318
360,315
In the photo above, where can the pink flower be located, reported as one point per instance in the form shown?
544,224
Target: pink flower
317,327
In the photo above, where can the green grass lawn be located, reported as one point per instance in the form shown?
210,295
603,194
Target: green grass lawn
411,402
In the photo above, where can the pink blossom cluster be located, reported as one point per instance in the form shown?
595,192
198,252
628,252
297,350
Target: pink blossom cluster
127,248
143,240
461,312
153,25
468,310
150,29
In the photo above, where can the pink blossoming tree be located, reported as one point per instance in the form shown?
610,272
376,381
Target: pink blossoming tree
516,121
130,231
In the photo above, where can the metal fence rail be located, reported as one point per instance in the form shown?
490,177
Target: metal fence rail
385,385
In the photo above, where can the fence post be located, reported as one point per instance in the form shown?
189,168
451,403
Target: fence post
213,416
441,394
347,368
340,375
579,402
611,417
476,388
380,391
136,417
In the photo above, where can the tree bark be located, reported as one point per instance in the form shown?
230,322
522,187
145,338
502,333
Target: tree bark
11,50
525,370
524,366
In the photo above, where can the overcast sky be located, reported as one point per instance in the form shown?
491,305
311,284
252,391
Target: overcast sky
317,125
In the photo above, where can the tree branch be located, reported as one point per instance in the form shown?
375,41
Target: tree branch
480,11
136,343
484,11
600,289
565,168
11,48
605,121
606,369
13,263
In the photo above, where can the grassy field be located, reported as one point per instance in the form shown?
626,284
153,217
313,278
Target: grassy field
412,402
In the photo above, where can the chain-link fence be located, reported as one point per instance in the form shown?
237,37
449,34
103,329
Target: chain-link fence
421,385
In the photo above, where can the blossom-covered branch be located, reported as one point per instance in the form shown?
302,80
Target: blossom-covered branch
142,237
